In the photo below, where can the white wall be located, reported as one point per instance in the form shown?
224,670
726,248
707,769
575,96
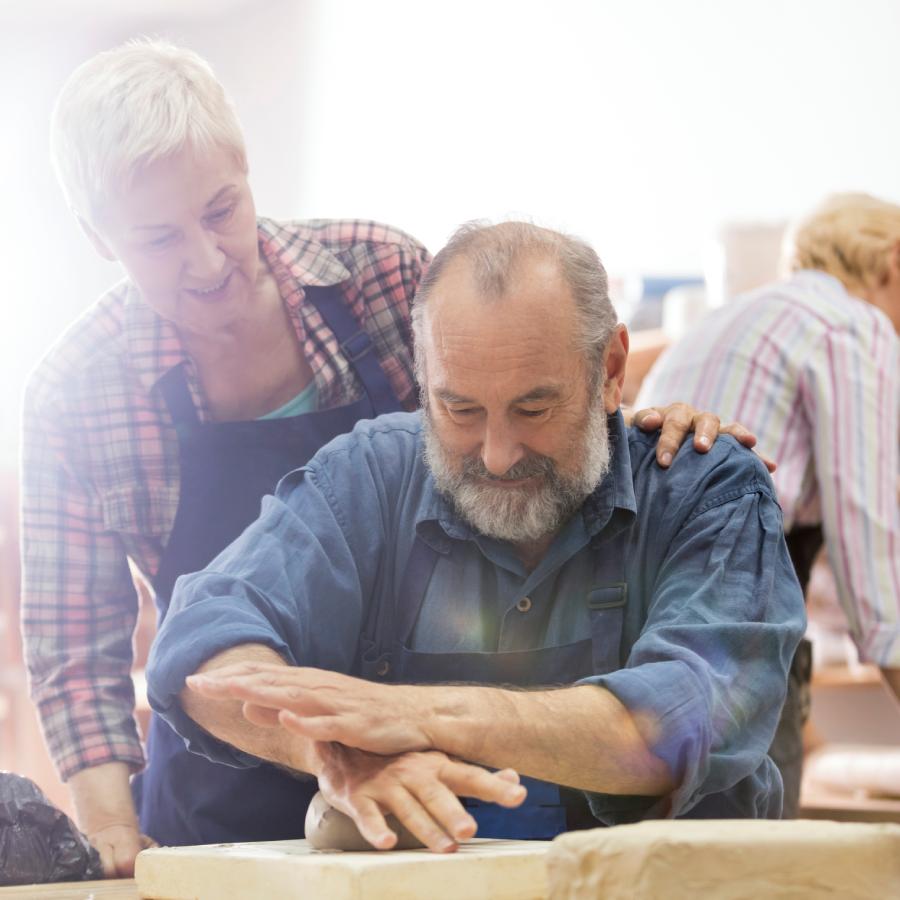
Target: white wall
637,123
640,124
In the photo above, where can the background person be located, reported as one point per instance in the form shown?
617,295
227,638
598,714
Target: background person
812,365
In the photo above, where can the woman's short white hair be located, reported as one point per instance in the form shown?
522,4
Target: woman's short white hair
127,107
849,236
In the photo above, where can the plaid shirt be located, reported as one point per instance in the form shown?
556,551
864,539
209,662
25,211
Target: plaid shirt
101,471
815,373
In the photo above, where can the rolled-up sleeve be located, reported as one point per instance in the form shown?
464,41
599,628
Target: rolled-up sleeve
291,581
707,677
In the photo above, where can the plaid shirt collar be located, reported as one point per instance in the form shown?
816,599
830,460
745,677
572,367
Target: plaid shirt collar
153,344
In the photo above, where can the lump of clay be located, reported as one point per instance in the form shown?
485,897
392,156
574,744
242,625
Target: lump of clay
734,859
329,829
38,842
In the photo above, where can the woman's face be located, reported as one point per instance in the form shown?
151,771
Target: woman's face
185,231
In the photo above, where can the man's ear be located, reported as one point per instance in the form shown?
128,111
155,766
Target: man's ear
614,363
99,244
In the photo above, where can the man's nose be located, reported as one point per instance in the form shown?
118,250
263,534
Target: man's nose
204,257
501,449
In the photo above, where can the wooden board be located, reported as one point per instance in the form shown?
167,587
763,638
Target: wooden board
291,870
117,889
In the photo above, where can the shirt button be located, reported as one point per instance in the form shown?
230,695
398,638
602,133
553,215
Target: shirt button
383,668
524,605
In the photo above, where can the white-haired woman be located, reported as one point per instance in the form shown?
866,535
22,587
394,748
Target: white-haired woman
233,350
812,364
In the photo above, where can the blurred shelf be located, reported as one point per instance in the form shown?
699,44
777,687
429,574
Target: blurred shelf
818,803
847,676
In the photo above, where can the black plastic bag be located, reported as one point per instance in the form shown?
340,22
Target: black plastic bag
38,842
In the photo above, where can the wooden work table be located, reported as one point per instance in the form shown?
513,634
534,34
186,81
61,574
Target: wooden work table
114,889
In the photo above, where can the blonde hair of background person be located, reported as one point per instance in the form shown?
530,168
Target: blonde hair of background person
854,237
158,113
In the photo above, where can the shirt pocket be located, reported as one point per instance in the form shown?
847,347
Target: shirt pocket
606,607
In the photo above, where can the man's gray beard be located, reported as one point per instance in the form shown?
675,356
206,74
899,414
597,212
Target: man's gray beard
527,513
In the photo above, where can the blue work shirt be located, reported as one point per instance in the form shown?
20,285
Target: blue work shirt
713,617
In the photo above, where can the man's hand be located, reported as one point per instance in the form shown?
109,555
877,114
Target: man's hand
552,735
421,789
322,705
105,812
677,420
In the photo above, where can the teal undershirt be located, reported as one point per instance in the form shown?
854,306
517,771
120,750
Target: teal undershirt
305,402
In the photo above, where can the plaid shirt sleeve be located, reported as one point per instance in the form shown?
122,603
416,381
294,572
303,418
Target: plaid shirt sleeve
79,604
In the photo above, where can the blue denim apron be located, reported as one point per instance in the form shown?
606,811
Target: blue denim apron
226,469
548,810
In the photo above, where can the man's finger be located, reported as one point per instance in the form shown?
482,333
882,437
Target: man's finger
263,716
317,728
414,816
370,821
706,430
647,419
444,807
678,421
472,781
740,434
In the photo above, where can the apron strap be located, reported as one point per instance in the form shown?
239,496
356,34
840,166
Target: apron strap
174,388
397,620
355,344
804,543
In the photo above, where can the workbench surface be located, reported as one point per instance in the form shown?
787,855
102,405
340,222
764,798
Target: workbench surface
114,889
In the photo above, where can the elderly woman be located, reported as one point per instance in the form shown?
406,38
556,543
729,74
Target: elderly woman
812,364
234,349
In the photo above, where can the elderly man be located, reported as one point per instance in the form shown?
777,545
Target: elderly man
400,591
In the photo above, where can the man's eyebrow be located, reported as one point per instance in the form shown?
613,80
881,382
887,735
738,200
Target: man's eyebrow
446,396
535,395
544,392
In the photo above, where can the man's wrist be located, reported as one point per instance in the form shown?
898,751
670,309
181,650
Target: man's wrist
457,719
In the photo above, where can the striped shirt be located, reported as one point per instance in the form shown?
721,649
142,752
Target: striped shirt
100,467
815,373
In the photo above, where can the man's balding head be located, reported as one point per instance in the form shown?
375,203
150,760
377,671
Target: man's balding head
494,256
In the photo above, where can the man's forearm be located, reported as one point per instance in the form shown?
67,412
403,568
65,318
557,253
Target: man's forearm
582,737
225,720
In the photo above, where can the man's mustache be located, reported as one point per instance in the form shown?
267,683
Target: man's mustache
528,467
